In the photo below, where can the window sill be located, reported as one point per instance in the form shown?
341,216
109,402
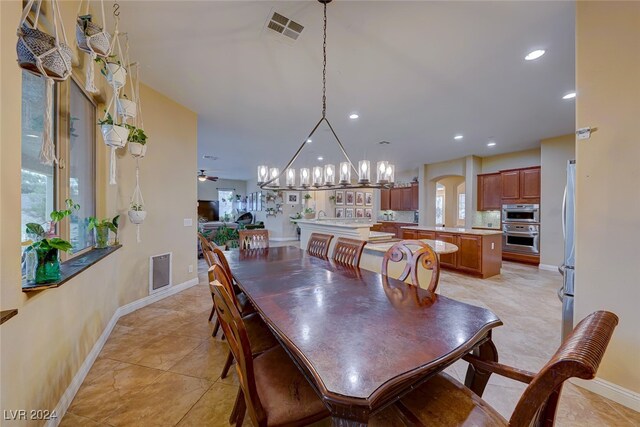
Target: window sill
7,314
72,268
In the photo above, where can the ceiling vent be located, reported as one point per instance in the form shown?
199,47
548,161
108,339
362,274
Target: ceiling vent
284,26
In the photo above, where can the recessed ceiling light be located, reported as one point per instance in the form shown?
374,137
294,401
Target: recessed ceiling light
309,141
491,144
534,55
30,135
354,116
457,137
320,158
570,95
209,157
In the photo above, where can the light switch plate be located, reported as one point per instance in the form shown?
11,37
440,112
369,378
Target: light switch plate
188,222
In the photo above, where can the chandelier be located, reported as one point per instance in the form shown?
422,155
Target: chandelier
326,178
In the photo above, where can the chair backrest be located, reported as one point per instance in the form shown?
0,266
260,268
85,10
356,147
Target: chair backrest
578,356
424,257
206,247
238,340
348,251
222,260
217,274
318,245
254,239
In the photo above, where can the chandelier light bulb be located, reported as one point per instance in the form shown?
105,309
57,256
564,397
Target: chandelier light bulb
274,174
365,171
391,173
381,175
291,177
304,177
262,173
345,173
329,174
317,176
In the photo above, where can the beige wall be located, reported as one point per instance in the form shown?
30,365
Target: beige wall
45,344
554,155
608,183
208,190
518,159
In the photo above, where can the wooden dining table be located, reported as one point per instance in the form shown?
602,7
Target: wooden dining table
362,340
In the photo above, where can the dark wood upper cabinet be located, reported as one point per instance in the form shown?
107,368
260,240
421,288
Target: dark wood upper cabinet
489,191
415,196
406,198
385,204
510,185
530,183
395,199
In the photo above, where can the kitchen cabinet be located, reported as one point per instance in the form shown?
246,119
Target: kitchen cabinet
385,194
395,199
448,260
406,198
489,192
521,185
530,183
395,228
410,235
415,196
431,235
470,253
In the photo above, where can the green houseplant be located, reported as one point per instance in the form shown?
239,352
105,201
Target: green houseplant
114,134
47,245
137,141
226,236
101,230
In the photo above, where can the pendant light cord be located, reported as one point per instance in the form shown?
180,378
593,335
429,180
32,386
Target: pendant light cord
324,65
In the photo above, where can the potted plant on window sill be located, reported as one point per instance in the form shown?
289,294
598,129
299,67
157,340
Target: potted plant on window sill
137,141
101,230
114,135
137,214
47,245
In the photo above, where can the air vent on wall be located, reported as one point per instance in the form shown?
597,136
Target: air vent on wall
285,26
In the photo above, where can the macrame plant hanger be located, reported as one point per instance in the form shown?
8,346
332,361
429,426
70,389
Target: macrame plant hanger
95,41
113,136
137,201
59,56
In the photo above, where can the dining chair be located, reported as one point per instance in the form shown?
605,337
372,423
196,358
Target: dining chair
261,338
318,245
423,257
443,401
272,389
218,272
348,251
254,239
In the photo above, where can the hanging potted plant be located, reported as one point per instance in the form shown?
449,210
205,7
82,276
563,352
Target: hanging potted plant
113,70
138,141
115,135
91,37
126,108
47,245
137,214
101,230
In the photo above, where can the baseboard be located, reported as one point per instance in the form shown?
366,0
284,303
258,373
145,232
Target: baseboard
284,239
611,391
78,378
548,267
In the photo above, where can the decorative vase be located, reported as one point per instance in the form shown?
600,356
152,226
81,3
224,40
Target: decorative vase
137,217
309,215
115,135
48,269
116,75
101,236
137,150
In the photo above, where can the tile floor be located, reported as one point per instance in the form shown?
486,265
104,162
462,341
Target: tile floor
161,366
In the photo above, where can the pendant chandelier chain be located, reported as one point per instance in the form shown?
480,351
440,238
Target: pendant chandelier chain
324,65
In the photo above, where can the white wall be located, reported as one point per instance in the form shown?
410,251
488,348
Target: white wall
208,190
554,155
608,182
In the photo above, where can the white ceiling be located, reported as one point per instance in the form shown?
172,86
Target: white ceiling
417,73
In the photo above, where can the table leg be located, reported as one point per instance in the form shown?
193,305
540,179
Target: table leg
476,379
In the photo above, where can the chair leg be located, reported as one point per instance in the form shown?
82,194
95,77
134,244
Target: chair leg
239,409
216,326
213,310
234,412
227,365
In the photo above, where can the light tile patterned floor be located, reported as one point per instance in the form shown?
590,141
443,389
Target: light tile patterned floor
160,365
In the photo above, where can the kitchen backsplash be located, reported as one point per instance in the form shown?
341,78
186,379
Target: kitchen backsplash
490,219
403,216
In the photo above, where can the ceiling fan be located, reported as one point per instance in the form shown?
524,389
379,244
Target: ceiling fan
204,177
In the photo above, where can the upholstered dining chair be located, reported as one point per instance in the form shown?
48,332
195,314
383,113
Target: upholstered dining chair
272,389
443,401
260,336
318,245
348,251
422,257
254,239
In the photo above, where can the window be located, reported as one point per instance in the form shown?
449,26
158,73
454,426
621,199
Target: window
225,200
439,204
461,206
44,188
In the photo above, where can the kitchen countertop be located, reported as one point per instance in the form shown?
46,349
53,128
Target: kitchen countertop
455,230
394,221
342,223
438,246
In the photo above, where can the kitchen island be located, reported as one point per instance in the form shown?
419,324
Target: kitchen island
479,254
359,229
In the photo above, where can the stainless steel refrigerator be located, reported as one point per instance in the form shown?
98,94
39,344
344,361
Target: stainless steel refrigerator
567,269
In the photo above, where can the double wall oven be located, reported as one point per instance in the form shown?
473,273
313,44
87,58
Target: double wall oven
521,229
